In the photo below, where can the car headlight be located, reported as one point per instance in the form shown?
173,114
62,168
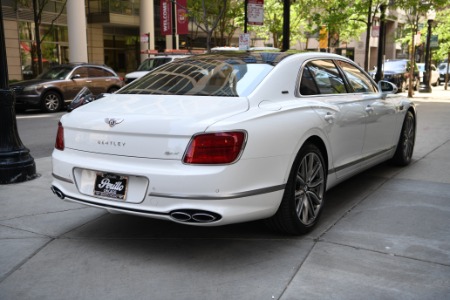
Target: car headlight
30,88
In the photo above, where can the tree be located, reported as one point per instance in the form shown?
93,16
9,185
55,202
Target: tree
415,9
342,20
206,14
229,23
38,7
443,31
273,22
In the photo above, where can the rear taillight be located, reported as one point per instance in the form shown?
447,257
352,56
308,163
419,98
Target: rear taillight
215,148
59,144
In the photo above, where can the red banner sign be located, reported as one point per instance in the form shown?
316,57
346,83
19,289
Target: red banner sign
165,14
182,18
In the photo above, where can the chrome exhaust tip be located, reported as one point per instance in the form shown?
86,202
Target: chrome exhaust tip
194,216
203,217
57,192
181,216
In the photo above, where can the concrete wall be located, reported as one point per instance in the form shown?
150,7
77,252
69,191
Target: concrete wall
95,43
12,50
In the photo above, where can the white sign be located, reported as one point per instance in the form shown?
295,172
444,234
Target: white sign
144,38
255,12
244,41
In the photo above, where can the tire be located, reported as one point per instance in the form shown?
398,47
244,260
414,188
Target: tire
303,197
51,102
405,146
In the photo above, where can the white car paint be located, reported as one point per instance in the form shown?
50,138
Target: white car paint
358,130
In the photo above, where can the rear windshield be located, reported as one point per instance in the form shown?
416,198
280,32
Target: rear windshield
202,77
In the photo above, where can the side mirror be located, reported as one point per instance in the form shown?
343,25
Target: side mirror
387,88
76,76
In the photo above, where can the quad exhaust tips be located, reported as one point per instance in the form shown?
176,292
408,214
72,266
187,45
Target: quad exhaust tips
182,215
194,216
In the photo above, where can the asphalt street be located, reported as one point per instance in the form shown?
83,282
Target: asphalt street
384,234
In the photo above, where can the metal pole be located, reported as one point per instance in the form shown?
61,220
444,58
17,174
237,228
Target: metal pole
425,85
286,24
174,26
368,31
245,15
381,41
16,164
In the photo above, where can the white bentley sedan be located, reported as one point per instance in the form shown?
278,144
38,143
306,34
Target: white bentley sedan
232,137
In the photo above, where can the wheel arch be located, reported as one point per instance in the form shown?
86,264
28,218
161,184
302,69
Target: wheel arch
319,143
53,89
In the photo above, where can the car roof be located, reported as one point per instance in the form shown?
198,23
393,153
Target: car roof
271,58
81,64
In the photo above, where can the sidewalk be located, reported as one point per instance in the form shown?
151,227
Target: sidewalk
438,94
384,235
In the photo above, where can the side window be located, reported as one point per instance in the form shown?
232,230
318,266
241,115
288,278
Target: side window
99,72
359,81
95,72
308,85
321,77
83,72
160,62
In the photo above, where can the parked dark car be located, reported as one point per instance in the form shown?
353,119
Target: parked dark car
397,72
51,90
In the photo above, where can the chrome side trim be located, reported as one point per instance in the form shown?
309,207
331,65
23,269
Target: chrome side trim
222,197
119,208
361,160
62,178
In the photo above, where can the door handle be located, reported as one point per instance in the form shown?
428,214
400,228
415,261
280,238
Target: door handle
329,117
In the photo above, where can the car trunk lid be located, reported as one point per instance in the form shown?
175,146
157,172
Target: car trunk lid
148,126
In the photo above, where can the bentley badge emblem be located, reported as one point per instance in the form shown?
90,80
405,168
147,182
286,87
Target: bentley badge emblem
113,122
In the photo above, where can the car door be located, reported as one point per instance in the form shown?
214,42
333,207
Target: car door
100,80
78,80
380,114
342,112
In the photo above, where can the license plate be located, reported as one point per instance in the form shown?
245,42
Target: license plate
111,186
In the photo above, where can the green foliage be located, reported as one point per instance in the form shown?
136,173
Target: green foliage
206,14
442,29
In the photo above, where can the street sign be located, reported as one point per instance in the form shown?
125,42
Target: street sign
244,41
434,42
144,38
255,12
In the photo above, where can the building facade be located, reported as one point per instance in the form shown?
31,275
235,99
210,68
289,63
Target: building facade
116,31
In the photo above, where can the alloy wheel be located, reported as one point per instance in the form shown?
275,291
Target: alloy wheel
309,188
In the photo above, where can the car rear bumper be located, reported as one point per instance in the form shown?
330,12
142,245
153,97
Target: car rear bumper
170,190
